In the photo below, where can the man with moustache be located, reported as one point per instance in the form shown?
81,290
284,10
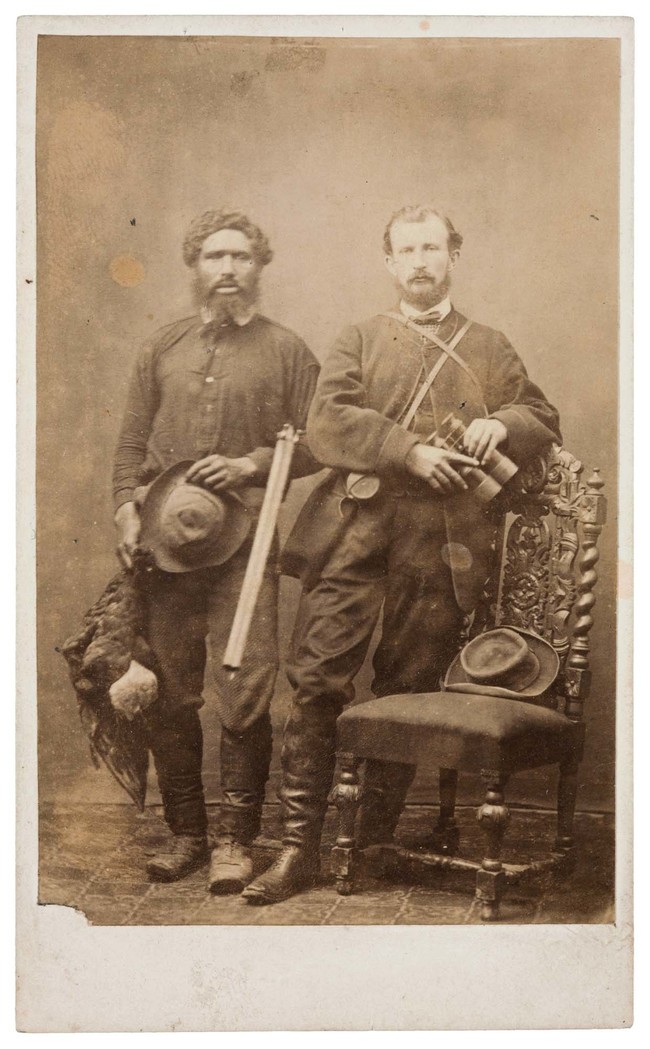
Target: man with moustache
420,547
214,388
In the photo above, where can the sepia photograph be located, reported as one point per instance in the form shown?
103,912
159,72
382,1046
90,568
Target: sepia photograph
328,331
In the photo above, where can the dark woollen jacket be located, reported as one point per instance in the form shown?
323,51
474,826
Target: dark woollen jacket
367,381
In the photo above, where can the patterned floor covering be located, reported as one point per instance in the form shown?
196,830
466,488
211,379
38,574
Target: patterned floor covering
92,857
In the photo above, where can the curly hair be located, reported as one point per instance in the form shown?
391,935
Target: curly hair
419,213
212,221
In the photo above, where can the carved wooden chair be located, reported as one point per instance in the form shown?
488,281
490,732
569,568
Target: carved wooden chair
544,579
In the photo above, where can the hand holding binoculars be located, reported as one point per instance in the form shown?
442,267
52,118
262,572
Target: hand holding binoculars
485,481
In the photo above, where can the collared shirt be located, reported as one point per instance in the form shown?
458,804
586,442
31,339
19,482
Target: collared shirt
437,313
241,321
200,389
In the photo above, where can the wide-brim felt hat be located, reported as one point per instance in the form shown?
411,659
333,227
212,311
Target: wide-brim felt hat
186,527
508,662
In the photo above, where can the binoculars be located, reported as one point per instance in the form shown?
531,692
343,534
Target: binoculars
486,481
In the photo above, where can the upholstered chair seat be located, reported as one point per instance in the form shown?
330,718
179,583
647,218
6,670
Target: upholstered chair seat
514,693
460,731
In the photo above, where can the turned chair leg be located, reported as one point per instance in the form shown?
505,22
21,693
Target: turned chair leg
347,797
493,817
446,833
566,807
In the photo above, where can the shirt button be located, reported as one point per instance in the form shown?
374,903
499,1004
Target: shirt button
210,378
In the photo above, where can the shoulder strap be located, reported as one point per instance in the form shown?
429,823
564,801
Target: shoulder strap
446,347
422,392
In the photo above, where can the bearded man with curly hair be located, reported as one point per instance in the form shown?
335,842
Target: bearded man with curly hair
214,388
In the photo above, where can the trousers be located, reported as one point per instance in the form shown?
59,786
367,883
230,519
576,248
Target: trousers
393,556
186,613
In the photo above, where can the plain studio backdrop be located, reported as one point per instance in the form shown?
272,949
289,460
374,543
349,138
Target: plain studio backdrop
319,141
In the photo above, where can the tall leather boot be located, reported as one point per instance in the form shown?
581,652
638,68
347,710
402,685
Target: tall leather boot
245,762
385,786
177,746
308,758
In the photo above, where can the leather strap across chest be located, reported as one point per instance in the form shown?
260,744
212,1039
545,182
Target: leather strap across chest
448,352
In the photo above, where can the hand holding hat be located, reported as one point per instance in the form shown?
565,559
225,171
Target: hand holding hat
187,527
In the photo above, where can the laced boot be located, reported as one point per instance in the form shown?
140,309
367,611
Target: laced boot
385,786
231,867
245,760
183,854
177,747
308,755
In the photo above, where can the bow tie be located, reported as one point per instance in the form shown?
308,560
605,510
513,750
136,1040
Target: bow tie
429,318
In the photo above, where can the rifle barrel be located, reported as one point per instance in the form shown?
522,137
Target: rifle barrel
278,476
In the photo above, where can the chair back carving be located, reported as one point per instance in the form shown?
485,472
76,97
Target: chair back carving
545,564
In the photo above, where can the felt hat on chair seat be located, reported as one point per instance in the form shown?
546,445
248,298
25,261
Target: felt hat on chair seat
509,662
187,527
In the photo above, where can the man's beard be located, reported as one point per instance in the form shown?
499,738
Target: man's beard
223,308
425,296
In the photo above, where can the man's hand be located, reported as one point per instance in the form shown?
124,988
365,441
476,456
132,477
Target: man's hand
482,436
217,473
127,522
438,467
